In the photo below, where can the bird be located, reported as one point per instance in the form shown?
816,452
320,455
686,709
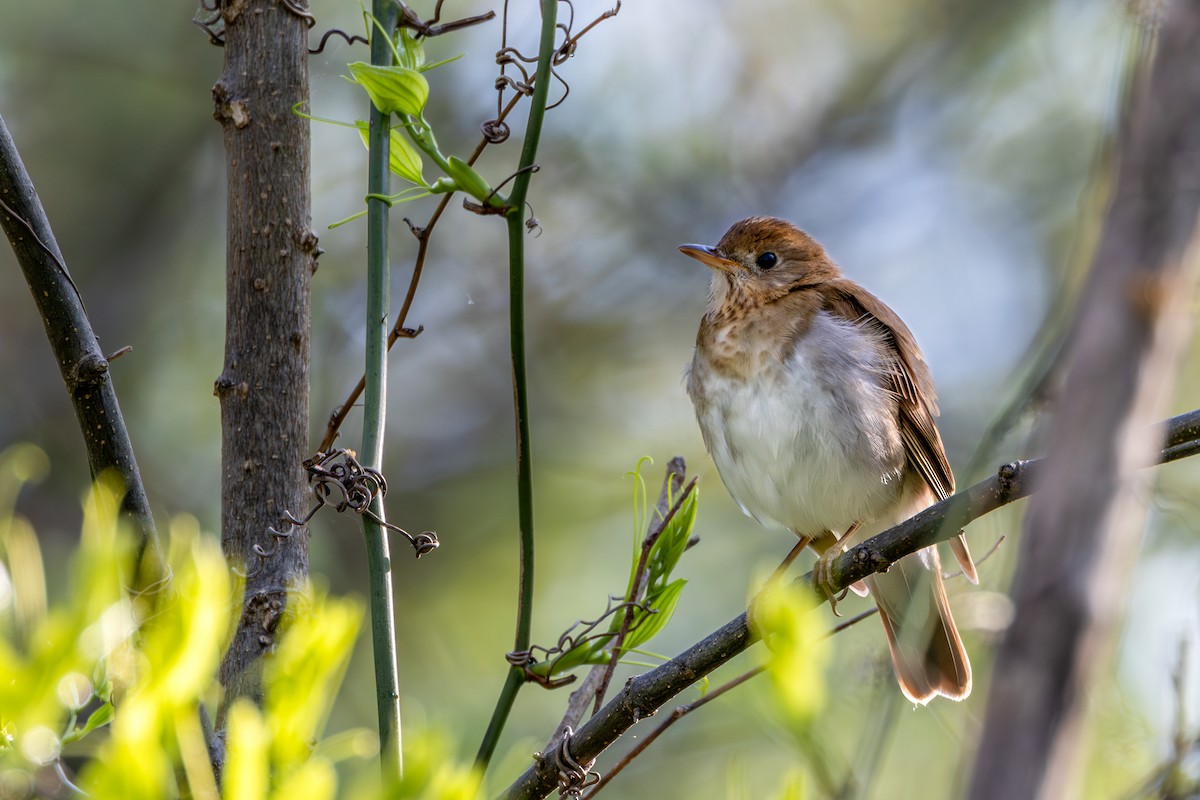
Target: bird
818,410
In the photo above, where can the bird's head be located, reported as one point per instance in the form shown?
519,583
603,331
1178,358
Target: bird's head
761,259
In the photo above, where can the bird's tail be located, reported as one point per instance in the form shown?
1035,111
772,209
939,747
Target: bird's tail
927,652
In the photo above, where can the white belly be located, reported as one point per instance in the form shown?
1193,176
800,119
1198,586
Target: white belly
810,448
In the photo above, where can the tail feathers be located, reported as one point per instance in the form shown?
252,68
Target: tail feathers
962,554
927,652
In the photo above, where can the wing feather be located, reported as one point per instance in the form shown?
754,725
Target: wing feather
908,377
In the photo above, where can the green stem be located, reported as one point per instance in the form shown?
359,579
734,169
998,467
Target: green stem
516,315
422,136
383,631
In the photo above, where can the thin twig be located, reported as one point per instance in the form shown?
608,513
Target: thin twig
398,332
679,713
578,702
495,131
687,708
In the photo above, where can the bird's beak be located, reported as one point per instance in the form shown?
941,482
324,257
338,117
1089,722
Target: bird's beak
708,256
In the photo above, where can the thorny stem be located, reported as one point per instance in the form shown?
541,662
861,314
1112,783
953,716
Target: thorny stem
383,628
516,316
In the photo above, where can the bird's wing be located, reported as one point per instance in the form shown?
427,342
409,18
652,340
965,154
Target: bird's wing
909,378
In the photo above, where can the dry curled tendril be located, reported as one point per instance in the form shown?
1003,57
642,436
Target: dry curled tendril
337,474
573,777
208,18
496,130
578,635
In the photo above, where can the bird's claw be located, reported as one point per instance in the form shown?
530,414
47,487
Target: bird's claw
823,577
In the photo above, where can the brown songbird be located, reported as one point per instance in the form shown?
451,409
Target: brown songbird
818,409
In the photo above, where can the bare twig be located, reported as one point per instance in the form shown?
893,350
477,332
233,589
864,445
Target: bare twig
410,20
399,329
578,702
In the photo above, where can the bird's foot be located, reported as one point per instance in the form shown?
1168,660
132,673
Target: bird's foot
823,577
823,568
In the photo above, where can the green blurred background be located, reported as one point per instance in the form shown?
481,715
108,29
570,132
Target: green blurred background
946,153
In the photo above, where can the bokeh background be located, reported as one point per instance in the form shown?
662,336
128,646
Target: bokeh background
950,155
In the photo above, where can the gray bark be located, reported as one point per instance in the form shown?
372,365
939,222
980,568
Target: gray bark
271,255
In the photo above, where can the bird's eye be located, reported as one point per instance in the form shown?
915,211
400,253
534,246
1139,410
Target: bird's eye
767,260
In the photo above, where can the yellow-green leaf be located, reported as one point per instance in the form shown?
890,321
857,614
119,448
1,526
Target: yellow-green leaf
393,90
798,653
403,159
649,625
247,744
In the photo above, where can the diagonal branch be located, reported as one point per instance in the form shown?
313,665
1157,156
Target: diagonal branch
644,694
83,365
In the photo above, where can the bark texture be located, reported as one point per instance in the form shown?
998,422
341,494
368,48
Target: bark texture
1086,523
272,253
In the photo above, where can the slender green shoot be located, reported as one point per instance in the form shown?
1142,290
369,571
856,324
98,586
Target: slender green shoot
516,281
383,631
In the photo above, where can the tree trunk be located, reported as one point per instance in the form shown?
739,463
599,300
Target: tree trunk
272,253
1084,527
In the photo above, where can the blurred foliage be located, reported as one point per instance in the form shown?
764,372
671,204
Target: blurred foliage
797,653
946,153
110,684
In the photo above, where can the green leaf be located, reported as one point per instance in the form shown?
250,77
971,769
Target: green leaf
412,52
393,90
648,625
403,159
100,717
580,654
434,65
671,544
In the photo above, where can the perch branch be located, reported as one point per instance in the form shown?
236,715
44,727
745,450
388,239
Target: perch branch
644,694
